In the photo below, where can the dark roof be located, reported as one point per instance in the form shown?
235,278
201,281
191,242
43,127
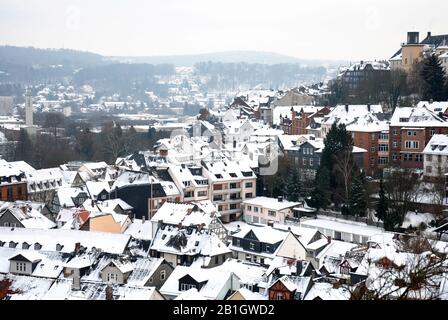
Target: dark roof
434,40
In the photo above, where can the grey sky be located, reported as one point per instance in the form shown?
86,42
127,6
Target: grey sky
342,29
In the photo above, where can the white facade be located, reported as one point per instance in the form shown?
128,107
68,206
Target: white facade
263,209
435,162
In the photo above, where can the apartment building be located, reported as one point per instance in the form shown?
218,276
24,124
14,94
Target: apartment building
436,156
410,131
191,182
231,183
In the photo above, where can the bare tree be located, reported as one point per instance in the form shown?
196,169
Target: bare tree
344,165
413,269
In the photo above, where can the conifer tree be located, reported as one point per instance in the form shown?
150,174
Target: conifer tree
433,79
293,185
358,197
382,205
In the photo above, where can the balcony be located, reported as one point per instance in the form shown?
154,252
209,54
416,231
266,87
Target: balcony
231,211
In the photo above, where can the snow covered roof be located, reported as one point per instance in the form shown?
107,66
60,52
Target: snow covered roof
271,203
368,123
438,145
415,219
347,114
49,264
264,234
341,226
215,281
189,241
326,291
191,294
229,170
140,230
434,106
29,214
249,295
48,239
95,187
416,117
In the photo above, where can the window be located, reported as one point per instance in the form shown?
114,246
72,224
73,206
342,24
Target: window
233,206
419,157
395,132
304,161
395,144
249,208
432,132
271,213
372,136
249,195
439,158
384,136
252,246
220,208
150,280
112,277
428,169
186,286
383,160
6,224
162,275
311,161
395,157
20,266
202,193
255,209
249,184
372,149
267,248
383,147
279,296
411,144
412,133
238,242
428,157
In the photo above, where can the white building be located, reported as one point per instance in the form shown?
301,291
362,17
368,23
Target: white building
435,161
264,209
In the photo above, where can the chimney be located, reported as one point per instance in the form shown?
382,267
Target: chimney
368,107
280,199
299,267
109,293
271,223
346,108
143,219
431,101
429,34
329,239
77,247
76,282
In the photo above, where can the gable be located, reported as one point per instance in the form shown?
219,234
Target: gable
278,286
292,248
251,236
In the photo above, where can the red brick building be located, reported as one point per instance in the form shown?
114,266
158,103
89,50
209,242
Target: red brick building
410,131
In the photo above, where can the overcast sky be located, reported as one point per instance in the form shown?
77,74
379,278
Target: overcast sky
325,29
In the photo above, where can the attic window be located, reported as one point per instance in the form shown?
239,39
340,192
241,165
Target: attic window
233,175
219,176
196,243
25,245
37,246
59,247
163,237
434,147
404,119
12,244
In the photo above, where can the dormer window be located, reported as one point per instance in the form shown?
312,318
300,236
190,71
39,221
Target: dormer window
37,246
25,245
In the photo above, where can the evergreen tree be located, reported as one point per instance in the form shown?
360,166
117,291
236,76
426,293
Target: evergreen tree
24,148
85,144
278,186
294,185
320,195
382,205
358,197
433,77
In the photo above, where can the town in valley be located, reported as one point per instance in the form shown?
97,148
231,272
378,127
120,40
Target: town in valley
232,176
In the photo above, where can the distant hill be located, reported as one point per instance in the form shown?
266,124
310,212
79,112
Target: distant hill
226,57
29,56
